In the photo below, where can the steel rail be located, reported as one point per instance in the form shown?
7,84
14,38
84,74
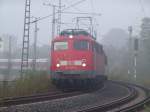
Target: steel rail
138,105
114,104
37,98
134,108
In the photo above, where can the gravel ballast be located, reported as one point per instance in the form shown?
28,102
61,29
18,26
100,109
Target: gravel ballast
109,93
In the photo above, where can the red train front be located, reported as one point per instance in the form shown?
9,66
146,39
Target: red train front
76,58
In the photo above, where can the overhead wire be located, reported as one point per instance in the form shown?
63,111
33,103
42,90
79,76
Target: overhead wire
94,14
72,5
142,8
77,3
75,7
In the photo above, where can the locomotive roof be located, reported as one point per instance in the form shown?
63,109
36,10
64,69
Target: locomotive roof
77,33
74,32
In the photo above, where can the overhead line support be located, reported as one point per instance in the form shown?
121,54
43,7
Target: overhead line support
25,43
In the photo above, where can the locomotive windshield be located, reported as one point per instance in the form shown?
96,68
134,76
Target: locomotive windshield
60,46
81,45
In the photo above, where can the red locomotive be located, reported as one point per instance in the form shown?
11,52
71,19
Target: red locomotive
76,58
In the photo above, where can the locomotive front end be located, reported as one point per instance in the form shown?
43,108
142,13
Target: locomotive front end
73,59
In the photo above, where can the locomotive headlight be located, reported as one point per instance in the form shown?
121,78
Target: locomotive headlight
70,36
58,65
83,64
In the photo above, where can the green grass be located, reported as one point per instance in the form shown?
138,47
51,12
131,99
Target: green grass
140,80
146,108
31,83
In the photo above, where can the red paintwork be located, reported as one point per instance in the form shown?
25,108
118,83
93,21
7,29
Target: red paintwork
94,61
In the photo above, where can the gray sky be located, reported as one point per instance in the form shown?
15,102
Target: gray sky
115,13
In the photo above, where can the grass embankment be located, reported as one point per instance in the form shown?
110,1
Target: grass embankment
140,79
31,83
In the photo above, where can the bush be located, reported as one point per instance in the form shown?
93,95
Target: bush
31,83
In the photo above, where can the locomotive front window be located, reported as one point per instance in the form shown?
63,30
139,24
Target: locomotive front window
81,45
60,46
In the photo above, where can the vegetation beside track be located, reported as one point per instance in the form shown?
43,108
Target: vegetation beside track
31,83
130,78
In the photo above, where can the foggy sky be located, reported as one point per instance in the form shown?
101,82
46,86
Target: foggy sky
115,14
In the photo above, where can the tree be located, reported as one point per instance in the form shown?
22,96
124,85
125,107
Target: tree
116,37
115,45
145,34
144,53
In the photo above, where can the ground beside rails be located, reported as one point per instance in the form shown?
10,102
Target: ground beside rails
114,97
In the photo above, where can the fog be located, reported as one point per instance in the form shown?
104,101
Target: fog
114,14
112,27
121,55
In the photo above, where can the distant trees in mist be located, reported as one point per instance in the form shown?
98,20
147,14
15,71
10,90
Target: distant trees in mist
116,43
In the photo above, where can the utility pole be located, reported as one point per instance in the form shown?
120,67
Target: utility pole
6,76
35,45
136,47
59,18
53,22
130,29
9,55
53,19
135,66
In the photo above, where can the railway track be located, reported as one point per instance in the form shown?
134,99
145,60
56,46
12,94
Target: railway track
126,104
138,105
37,98
132,98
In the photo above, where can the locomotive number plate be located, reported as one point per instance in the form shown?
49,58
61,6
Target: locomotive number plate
70,63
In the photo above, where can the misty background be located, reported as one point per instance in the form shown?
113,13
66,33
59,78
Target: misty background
112,27
114,14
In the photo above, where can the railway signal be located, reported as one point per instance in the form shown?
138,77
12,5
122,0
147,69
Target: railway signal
1,44
136,48
130,29
136,44
133,47
35,43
